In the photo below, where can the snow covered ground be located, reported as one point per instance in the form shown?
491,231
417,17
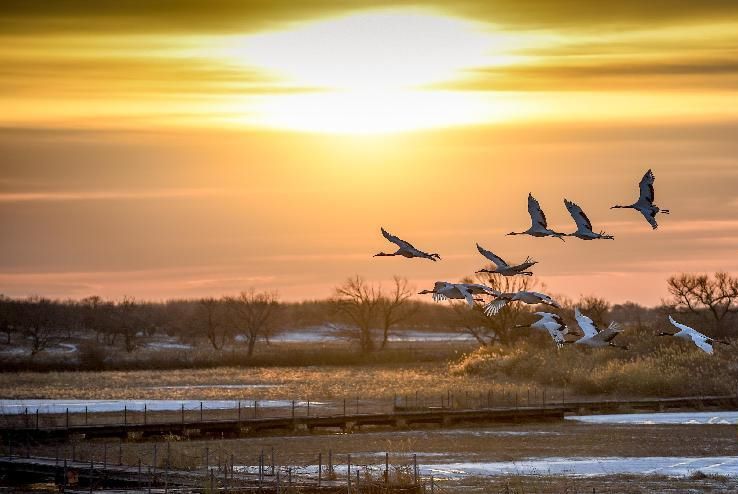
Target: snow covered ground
13,407
685,418
672,466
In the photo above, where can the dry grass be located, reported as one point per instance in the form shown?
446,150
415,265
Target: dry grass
652,367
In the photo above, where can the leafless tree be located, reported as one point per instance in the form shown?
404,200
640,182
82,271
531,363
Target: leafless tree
359,303
128,321
595,308
254,313
37,320
8,310
209,315
710,298
395,307
498,328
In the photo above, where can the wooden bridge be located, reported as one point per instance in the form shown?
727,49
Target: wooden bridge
80,476
400,417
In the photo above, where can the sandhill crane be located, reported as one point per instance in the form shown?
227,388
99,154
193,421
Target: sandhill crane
552,324
645,204
504,268
584,226
703,342
539,225
593,336
443,290
406,249
502,299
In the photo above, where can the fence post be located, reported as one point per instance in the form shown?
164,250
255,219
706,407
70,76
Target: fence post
105,456
200,411
330,463
85,414
293,409
125,414
64,480
154,462
415,468
320,468
146,409
91,470
239,410
67,418
272,460
207,458
386,467
348,473
36,418
308,408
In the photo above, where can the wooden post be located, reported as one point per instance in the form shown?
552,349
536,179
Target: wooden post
182,413
308,408
212,481
145,410
415,469
293,409
166,475
67,418
151,478
330,463
239,410
232,464
386,467
36,418
139,473
272,459
348,473
320,468
64,480
85,414
432,486
207,458
90,479
105,456
154,462
125,414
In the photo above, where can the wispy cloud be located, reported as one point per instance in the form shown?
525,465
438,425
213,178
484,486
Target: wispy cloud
107,195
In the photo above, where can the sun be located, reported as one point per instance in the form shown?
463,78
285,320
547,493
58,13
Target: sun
369,72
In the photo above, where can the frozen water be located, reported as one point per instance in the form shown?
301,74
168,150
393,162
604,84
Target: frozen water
12,407
671,466
686,418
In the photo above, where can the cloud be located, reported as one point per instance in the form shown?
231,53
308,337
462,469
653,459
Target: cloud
106,195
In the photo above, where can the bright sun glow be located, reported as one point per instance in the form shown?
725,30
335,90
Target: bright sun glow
371,72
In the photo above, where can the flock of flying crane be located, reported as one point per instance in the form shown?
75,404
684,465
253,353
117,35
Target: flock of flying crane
553,324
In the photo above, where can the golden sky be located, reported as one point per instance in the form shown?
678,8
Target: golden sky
182,148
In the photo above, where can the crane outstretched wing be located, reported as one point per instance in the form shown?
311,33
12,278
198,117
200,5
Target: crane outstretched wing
499,262
397,240
556,335
464,290
610,333
577,213
650,217
494,307
646,186
585,323
537,217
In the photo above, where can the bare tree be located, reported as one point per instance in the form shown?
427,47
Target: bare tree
8,310
498,328
595,308
712,299
359,303
254,313
209,315
395,307
128,321
37,321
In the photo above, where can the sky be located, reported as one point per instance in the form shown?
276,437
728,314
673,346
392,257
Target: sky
168,149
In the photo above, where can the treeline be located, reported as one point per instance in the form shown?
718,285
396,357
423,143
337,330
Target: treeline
367,313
